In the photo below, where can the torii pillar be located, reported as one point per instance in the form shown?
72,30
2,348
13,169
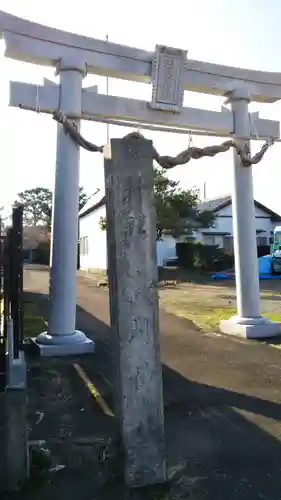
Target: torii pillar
62,338
248,322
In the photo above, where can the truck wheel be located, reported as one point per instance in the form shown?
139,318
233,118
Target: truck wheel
274,273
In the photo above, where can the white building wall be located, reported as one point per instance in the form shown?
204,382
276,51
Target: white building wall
89,227
166,249
96,257
224,224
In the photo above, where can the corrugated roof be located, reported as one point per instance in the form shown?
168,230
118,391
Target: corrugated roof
215,203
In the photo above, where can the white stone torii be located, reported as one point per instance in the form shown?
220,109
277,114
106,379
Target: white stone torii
170,73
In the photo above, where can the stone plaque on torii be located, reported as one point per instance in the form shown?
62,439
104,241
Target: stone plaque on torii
170,73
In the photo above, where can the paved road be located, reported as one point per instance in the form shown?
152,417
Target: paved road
222,402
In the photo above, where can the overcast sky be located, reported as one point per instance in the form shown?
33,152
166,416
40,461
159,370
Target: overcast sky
234,32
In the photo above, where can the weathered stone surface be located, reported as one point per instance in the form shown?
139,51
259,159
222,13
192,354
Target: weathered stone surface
132,266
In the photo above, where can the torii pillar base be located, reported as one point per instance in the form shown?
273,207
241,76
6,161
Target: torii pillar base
72,344
251,328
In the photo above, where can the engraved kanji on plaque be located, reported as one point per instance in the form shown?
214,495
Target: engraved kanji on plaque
168,68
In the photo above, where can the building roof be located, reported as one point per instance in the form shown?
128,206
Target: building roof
96,201
34,235
216,233
217,204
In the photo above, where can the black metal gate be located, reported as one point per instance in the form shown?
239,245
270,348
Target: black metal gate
11,290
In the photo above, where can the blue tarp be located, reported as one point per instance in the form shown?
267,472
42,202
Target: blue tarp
264,271
265,264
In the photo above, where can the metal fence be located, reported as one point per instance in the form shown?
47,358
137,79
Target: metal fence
11,291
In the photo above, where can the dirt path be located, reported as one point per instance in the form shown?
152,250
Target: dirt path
222,407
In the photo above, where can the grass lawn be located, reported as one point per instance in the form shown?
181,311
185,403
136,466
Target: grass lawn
197,297
207,303
33,322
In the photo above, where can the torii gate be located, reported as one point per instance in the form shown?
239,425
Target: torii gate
170,73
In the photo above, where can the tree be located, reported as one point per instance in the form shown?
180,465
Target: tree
2,218
176,209
38,205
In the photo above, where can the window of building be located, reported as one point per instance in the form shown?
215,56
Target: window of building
228,243
209,239
84,245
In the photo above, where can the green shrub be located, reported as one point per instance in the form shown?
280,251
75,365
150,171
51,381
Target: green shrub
186,254
205,257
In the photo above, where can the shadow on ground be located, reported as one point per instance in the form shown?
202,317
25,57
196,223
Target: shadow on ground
171,277
220,443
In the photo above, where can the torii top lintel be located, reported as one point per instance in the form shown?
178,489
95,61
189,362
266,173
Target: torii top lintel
34,43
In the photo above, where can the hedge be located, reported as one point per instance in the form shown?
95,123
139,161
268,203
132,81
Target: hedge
206,257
